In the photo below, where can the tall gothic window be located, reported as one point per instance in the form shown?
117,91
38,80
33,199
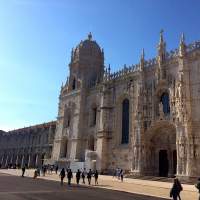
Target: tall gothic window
125,121
94,110
74,84
91,143
165,103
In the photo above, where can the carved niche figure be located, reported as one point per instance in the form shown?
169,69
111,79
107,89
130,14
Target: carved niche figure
135,157
161,113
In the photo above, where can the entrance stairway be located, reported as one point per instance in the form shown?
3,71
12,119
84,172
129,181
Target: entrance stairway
155,178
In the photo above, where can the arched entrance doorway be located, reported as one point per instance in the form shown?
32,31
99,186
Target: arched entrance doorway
162,155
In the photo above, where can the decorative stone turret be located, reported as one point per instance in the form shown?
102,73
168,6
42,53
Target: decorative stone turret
142,60
161,49
161,57
182,46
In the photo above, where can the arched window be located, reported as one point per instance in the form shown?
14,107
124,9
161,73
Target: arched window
125,121
165,102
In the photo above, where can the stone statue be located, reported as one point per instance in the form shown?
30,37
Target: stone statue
161,113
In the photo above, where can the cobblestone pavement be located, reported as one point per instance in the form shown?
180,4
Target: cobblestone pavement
143,188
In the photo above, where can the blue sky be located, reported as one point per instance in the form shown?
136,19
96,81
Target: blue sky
36,37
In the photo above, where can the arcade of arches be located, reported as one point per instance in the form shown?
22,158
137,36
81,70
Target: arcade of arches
30,146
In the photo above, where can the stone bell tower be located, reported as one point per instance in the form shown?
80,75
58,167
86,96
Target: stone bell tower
85,70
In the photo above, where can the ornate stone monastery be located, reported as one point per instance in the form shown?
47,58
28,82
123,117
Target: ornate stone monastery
144,118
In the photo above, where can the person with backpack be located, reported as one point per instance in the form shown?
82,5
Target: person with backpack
62,175
198,186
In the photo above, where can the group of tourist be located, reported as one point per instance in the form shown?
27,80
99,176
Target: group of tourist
79,174
119,173
174,192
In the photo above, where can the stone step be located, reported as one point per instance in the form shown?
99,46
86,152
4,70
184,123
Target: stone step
156,178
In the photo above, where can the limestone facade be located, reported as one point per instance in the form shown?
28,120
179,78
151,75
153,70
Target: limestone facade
29,146
144,118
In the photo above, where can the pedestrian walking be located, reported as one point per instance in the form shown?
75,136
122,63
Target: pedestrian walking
69,176
198,186
78,176
51,168
176,189
62,176
118,173
44,169
35,174
38,171
96,175
56,169
114,173
23,171
89,176
121,174
83,175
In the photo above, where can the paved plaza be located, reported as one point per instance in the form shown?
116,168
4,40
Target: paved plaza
17,188
14,187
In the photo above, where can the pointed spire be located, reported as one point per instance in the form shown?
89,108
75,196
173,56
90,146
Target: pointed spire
142,60
182,46
72,54
102,53
161,37
143,54
109,69
161,48
90,36
182,38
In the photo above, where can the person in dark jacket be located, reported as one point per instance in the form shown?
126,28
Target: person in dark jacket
89,176
121,175
23,171
78,176
56,169
83,175
96,175
176,189
69,176
62,175
198,186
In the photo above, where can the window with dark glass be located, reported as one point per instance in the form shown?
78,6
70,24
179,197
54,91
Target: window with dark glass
74,84
165,102
125,121
94,116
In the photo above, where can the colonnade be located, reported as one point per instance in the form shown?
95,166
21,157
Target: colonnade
32,160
